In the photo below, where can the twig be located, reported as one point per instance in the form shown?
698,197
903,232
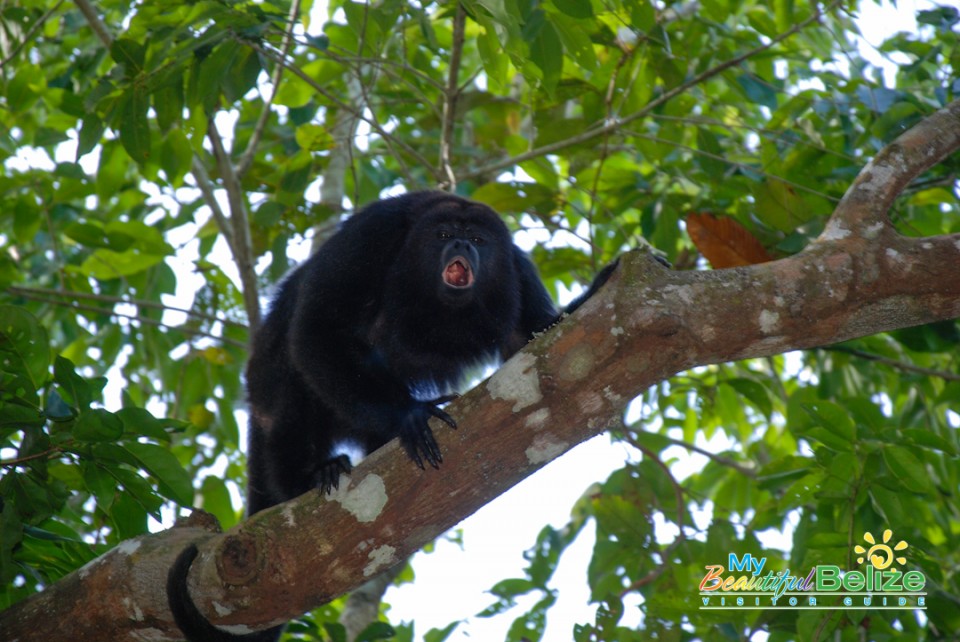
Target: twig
16,461
450,95
732,163
893,363
28,35
239,224
206,187
374,125
99,29
246,159
681,518
134,317
719,459
654,104
29,293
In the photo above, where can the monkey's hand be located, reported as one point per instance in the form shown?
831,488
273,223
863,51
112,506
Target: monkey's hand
327,475
415,434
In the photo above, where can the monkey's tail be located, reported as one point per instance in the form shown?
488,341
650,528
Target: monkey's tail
194,626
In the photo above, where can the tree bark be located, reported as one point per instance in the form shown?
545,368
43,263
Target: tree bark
859,278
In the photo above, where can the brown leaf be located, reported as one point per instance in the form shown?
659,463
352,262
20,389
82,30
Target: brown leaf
724,241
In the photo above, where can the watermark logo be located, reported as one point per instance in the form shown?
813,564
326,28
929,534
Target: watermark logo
880,555
880,582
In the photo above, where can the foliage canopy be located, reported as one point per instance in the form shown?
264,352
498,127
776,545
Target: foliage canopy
161,167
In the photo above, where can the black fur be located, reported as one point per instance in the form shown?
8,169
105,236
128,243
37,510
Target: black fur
366,337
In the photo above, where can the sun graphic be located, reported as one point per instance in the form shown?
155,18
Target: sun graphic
880,555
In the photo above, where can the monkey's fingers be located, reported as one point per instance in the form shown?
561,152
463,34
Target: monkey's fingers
444,399
327,477
442,416
431,450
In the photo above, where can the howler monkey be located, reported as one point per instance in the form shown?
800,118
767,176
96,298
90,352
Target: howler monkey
366,338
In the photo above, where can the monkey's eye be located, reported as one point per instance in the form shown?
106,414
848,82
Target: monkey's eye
444,235
477,240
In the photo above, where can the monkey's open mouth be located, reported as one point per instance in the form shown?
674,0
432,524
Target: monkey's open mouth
458,274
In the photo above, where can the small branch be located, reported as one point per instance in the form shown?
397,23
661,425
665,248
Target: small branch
246,159
17,461
134,317
450,95
877,186
28,35
654,104
93,19
893,363
732,163
719,459
239,225
206,187
29,293
358,113
681,518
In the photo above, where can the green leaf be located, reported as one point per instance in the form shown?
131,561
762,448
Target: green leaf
98,424
376,631
176,156
26,86
168,103
546,50
133,125
90,134
834,418
107,264
99,483
24,349
575,39
314,138
216,500
75,387
243,74
579,9
908,469
129,516
214,69
26,219
140,422
174,481
128,53
112,171
757,90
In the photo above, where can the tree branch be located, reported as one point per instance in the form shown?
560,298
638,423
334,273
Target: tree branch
52,300
893,363
96,24
29,293
246,159
450,96
242,246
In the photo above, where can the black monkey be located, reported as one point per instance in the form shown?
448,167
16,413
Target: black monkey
365,339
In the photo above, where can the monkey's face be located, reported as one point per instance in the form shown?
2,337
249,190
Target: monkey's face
464,258
462,255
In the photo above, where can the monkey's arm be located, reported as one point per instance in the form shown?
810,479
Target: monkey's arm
371,404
